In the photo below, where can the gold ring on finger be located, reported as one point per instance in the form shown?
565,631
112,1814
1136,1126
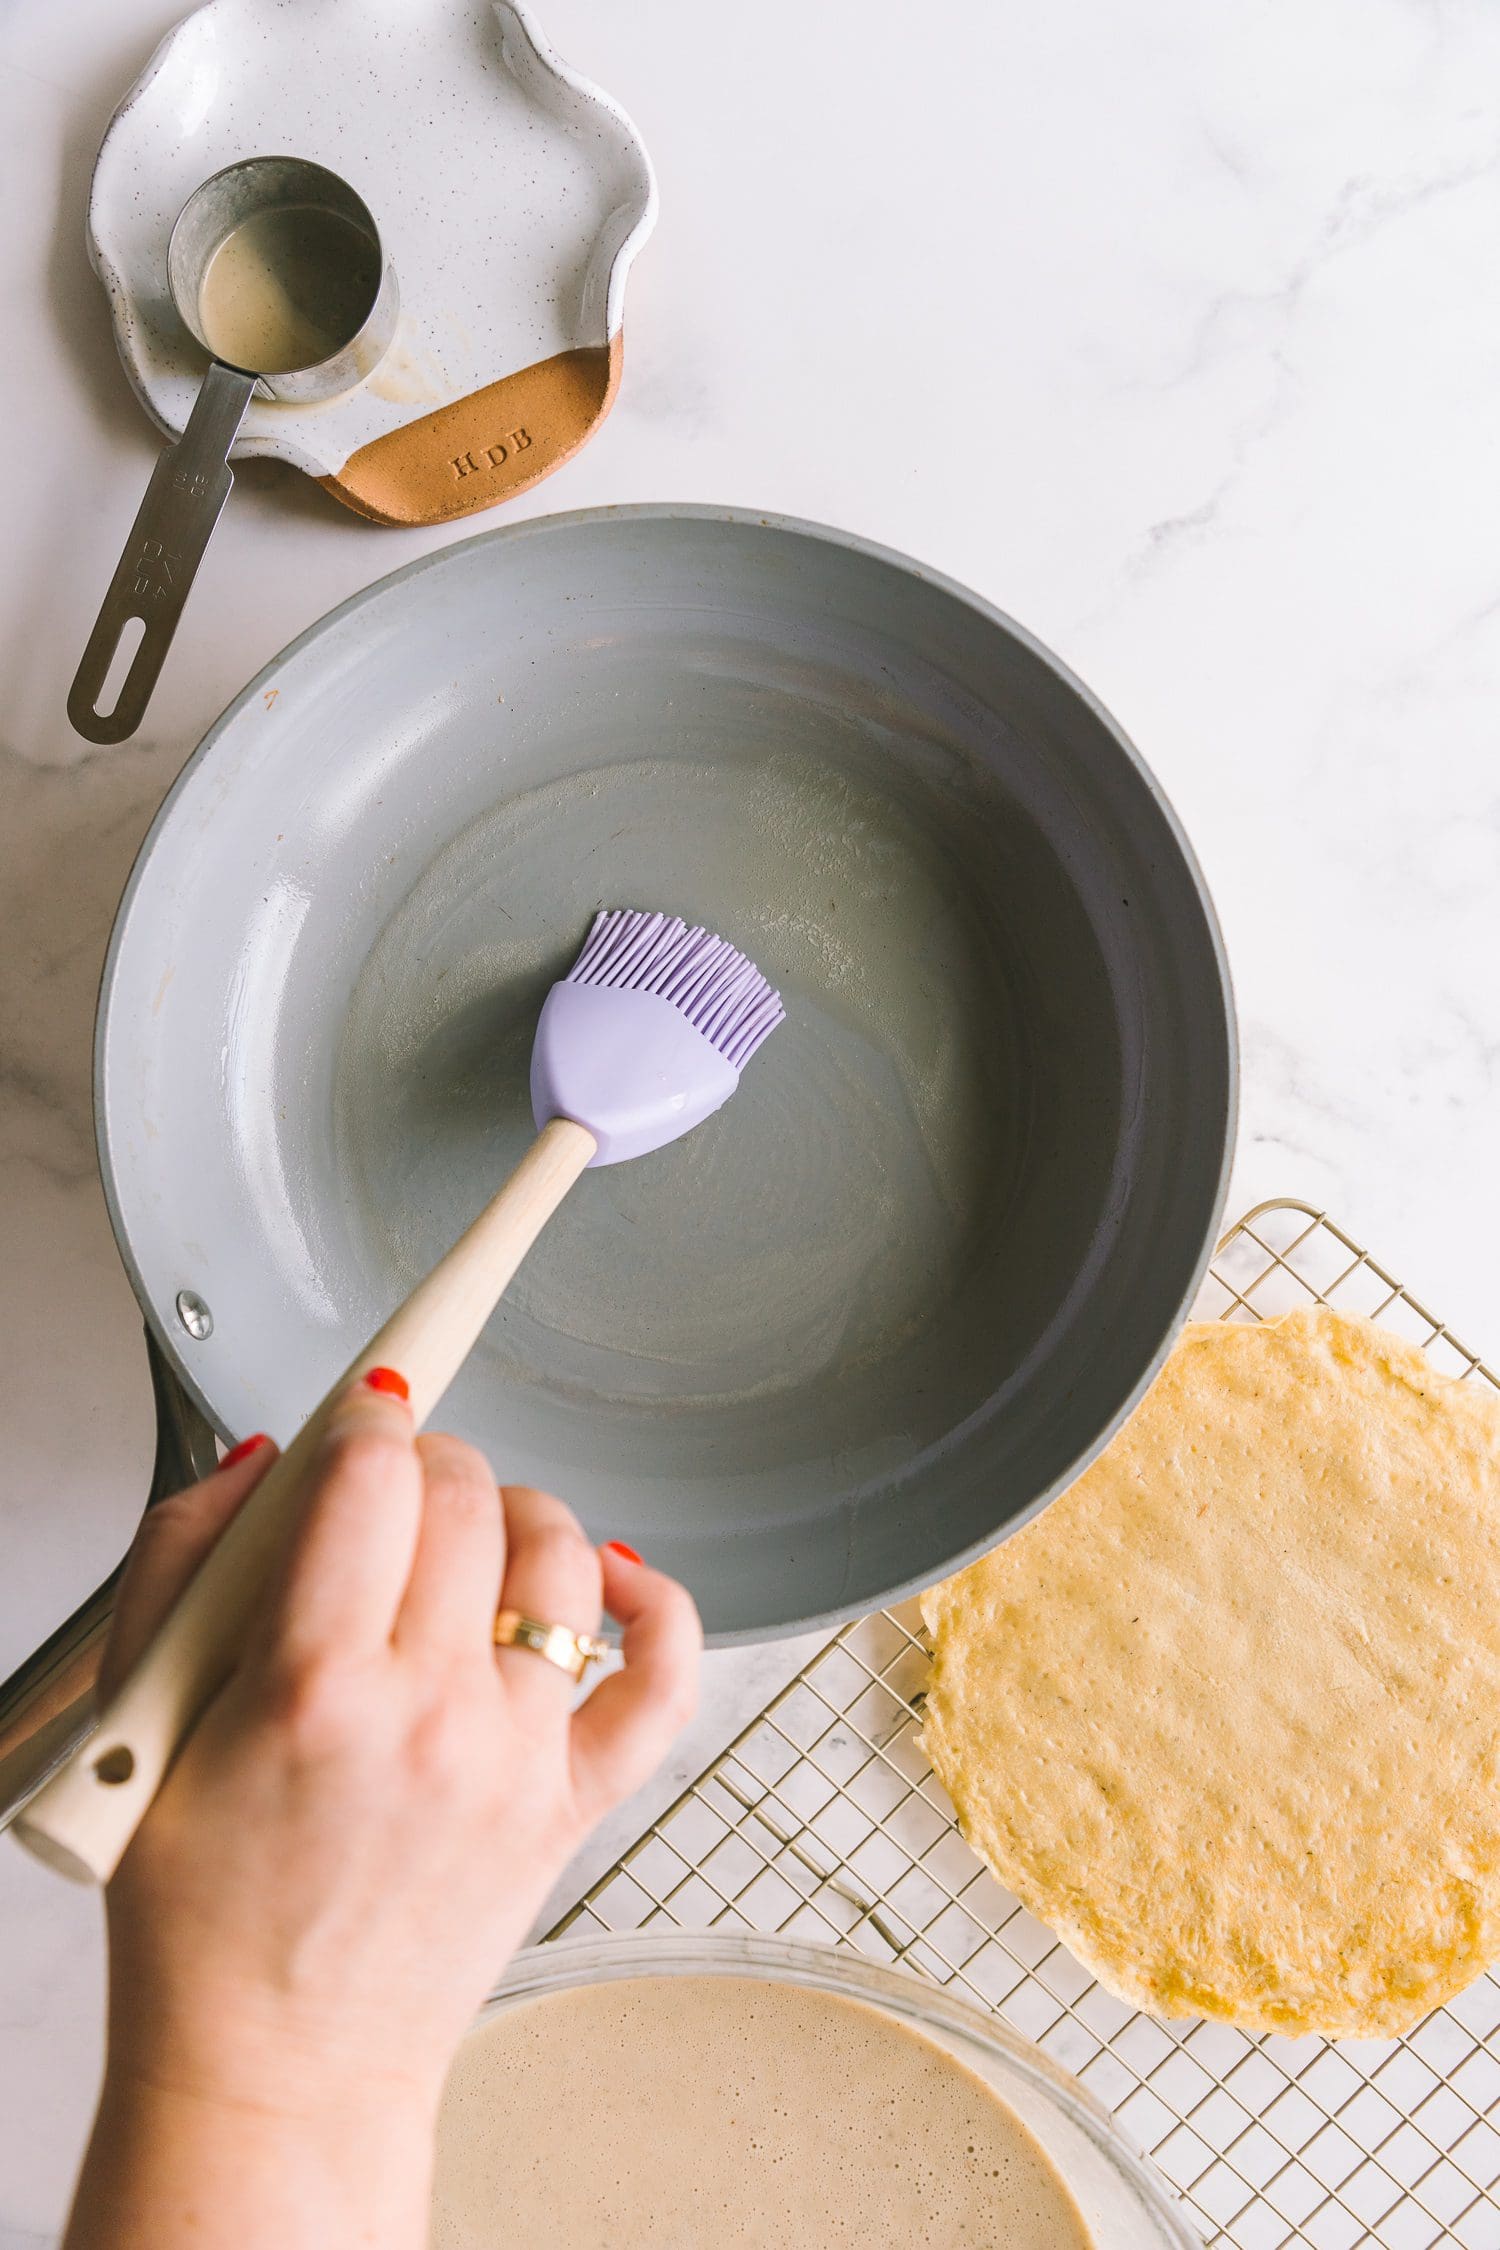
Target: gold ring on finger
571,1652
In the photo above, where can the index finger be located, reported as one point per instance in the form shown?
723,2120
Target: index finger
621,1734
172,1541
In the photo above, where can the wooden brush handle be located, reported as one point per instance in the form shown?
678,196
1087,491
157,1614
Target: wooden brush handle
83,1819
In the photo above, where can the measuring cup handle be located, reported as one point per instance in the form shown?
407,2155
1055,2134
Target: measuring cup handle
188,487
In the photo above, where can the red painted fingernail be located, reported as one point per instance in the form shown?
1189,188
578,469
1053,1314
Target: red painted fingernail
386,1379
618,1547
244,1449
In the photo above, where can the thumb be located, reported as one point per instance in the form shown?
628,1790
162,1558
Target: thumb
172,1541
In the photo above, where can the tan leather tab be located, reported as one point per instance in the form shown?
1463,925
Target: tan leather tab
484,448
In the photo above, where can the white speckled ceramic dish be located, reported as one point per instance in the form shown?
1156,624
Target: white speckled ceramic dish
511,194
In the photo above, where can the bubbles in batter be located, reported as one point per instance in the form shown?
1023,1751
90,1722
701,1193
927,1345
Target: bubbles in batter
701,2113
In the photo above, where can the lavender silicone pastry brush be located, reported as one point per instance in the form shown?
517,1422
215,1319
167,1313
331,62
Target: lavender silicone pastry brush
648,1032
644,1038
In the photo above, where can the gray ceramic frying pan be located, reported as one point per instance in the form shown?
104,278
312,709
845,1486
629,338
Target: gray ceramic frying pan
868,1318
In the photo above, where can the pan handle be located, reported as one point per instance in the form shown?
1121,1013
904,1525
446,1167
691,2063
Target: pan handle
152,579
47,1704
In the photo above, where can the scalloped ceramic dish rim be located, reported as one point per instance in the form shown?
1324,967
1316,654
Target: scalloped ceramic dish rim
267,445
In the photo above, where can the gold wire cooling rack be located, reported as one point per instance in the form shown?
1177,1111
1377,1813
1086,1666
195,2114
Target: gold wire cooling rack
824,1821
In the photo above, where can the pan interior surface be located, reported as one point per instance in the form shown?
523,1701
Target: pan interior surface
876,1308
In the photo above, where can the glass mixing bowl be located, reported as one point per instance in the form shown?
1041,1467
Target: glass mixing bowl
1124,2204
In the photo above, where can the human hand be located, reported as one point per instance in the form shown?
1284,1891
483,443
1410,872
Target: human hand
365,1821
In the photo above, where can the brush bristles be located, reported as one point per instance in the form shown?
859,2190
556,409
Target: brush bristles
721,993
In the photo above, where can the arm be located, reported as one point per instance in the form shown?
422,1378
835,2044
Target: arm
354,1840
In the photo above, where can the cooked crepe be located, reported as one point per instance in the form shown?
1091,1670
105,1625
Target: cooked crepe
1226,1716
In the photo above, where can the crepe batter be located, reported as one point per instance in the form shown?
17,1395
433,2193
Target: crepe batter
288,288
698,2112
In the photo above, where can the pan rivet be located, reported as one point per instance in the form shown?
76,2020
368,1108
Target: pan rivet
194,1314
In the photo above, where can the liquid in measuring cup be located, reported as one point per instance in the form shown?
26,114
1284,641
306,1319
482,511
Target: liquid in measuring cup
289,287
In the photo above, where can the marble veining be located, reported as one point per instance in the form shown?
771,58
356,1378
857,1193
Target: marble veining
1172,330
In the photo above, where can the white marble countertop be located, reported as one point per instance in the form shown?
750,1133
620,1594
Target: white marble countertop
1172,330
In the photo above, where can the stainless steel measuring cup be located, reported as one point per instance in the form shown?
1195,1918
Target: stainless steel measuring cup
276,268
